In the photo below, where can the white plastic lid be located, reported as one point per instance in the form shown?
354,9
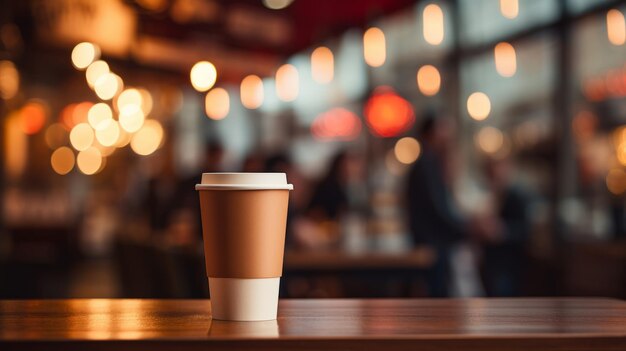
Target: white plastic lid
244,181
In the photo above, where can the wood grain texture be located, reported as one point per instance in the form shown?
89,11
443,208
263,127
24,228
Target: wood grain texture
435,324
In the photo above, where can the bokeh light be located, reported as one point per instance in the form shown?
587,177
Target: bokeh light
9,80
506,59
509,8
478,106
287,83
277,4
489,139
217,103
66,117
109,135
131,118
146,101
428,80
322,65
33,117
616,27
89,160
56,136
148,139
620,152
616,181
336,124
105,151
100,116
387,113
62,160
407,150
84,54
80,112
123,139
81,136
107,86
433,25
203,76
130,96
95,71
374,47
251,92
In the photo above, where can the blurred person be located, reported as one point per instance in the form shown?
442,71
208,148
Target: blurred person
434,219
330,196
253,163
328,202
281,163
504,234
186,198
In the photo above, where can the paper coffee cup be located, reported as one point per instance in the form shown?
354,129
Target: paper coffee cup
244,216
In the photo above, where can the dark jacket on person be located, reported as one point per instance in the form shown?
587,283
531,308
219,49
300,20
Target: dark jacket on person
503,262
433,220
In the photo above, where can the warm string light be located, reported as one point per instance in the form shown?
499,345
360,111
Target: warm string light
407,150
509,8
100,116
489,140
433,26
93,131
616,27
505,58
81,136
277,4
33,117
217,103
374,47
9,80
56,136
203,76
89,161
108,86
109,135
428,80
322,65
148,139
616,181
62,160
287,83
84,54
251,92
95,71
478,106
131,118
336,124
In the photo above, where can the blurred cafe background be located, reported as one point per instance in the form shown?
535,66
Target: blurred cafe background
437,148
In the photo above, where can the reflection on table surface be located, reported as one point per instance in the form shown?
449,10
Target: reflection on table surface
123,319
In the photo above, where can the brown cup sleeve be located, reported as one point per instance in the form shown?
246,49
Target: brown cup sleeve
244,232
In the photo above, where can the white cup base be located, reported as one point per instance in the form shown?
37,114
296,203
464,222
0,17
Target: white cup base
234,299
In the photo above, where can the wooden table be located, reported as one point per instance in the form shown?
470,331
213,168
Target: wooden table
426,325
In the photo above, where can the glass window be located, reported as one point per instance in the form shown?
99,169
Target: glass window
482,21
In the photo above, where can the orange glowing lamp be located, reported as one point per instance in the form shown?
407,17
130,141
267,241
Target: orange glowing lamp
336,124
33,116
387,113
